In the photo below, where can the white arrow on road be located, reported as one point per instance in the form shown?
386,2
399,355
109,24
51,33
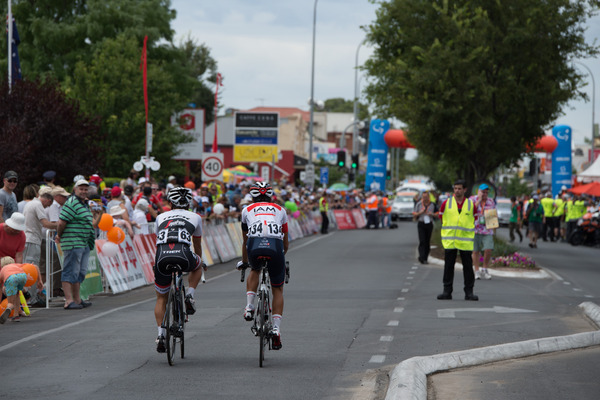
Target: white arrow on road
450,312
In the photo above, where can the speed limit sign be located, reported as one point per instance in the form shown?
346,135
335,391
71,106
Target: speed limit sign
212,166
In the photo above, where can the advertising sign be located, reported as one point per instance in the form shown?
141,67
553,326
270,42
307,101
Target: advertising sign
190,121
561,159
256,137
377,155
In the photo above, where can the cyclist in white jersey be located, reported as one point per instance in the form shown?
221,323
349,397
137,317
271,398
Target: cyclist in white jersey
176,231
265,233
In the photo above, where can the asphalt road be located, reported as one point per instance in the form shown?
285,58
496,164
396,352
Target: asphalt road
357,304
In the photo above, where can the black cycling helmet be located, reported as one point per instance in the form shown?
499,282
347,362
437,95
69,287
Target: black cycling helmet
261,191
180,197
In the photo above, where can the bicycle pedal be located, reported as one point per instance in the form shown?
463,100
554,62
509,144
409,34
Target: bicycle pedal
254,330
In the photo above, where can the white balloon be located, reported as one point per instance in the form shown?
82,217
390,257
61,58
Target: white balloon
218,209
110,249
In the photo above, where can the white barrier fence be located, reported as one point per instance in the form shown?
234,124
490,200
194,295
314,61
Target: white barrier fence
132,266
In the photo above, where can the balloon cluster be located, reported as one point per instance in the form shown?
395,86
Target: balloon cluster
114,234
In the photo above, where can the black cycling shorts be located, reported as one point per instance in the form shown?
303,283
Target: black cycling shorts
272,248
173,253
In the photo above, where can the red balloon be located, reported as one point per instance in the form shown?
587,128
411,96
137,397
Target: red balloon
397,138
546,144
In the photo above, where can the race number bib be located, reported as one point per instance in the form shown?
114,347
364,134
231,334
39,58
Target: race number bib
264,228
174,235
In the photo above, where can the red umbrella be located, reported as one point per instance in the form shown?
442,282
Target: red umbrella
593,189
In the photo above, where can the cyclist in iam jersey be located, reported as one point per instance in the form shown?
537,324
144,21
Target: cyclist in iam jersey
265,233
176,230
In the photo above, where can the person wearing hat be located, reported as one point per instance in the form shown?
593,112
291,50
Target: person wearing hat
484,237
8,198
118,199
118,213
35,220
535,219
12,237
139,215
49,177
171,182
76,236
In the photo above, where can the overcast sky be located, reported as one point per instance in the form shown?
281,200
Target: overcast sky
263,50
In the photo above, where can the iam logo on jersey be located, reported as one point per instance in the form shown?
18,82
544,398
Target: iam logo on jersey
171,245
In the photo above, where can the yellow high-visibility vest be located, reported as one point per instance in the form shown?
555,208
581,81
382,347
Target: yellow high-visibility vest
458,229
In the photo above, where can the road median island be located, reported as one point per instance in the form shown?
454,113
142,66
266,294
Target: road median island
408,380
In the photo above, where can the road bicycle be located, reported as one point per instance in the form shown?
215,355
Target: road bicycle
263,318
175,315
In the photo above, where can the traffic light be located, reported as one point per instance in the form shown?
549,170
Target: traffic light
388,175
354,161
341,158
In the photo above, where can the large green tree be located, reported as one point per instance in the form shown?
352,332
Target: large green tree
341,105
476,81
93,48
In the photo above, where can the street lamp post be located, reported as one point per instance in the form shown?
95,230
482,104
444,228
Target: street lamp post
593,105
312,91
355,132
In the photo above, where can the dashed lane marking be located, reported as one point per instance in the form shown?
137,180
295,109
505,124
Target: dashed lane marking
386,338
393,323
377,359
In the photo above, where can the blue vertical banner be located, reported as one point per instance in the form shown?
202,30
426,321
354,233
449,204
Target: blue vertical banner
377,155
324,176
561,159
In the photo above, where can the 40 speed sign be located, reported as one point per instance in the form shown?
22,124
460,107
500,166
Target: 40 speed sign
212,166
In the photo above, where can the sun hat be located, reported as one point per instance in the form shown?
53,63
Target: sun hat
16,221
44,189
117,210
142,204
483,186
60,191
81,182
171,178
115,191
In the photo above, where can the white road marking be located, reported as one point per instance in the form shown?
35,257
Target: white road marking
405,290
398,309
393,323
386,338
450,312
377,359
400,298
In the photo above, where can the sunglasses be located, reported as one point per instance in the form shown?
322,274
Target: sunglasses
12,180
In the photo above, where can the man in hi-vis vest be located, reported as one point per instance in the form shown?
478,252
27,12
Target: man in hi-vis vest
458,234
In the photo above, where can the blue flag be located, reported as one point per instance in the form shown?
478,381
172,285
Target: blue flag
16,64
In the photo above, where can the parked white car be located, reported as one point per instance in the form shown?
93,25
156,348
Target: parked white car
403,205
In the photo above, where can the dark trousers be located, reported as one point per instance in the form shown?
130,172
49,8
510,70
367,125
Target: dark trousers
372,219
424,231
514,227
468,274
324,222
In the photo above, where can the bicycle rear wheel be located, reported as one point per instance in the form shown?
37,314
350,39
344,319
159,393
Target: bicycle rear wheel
262,327
182,317
169,320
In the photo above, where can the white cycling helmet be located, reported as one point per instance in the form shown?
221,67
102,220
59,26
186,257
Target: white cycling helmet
180,197
259,189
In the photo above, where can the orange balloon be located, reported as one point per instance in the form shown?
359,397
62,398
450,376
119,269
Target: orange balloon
3,306
32,274
106,222
116,235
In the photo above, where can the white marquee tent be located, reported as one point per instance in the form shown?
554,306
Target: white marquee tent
592,173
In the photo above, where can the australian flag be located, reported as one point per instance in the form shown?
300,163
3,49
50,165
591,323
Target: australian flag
16,64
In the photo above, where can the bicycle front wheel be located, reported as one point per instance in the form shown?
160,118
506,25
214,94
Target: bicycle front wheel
169,321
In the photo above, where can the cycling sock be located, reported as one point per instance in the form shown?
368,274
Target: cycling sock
161,331
191,291
276,321
250,299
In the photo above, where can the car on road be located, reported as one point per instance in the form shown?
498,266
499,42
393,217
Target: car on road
403,205
504,211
